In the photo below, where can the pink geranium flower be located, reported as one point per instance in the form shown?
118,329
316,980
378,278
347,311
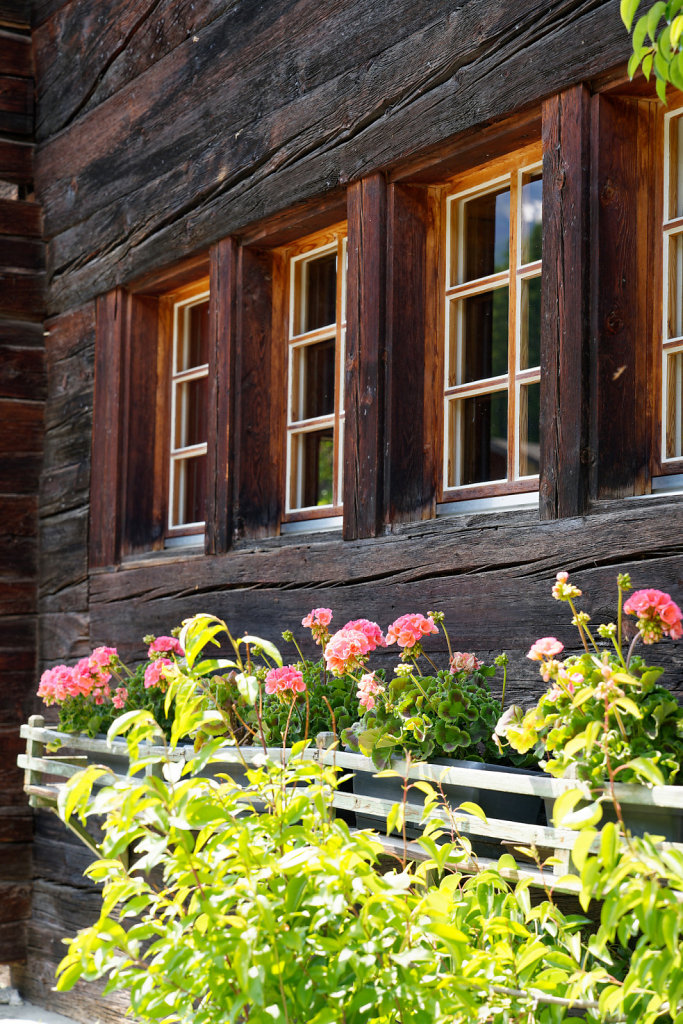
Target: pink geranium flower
546,647
372,631
317,617
120,697
165,645
56,684
657,615
464,663
154,673
409,630
317,620
346,651
367,688
278,680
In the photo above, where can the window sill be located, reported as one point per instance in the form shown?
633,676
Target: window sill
495,503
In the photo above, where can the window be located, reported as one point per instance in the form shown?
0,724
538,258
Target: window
671,453
315,383
493,329
188,404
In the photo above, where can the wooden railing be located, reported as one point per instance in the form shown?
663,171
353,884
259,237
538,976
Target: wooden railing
45,771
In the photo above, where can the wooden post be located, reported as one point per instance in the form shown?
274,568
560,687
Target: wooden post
565,304
34,748
219,469
365,357
414,371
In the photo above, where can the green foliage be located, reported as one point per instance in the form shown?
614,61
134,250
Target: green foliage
227,912
656,38
597,728
445,715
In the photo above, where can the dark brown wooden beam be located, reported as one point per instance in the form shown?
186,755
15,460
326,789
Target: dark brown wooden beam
223,327
19,218
105,480
16,105
565,297
413,362
624,191
16,161
15,55
259,394
363,488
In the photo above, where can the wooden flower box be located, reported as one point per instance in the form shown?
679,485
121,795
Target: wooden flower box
45,772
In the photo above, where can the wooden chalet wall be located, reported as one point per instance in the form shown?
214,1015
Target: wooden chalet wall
169,129
22,394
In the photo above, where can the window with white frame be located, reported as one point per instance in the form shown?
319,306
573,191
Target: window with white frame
493,329
672,329
188,426
315,383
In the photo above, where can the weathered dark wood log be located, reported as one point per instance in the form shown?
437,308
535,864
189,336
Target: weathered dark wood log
22,373
414,375
20,333
365,358
22,427
15,55
15,13
12,940
15,901
64,553
16,825
290,161
259,399
565,305
22,254
16,161
221,401
16,105
20,218
23,295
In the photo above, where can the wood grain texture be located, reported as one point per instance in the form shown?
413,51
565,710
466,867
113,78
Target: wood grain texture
619,417
16,161
399,67
105,480
413,344
365,359
15,14
259,398
16,105
15,55
221,401
565,305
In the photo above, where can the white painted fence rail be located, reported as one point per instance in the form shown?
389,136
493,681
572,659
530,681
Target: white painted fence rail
45,772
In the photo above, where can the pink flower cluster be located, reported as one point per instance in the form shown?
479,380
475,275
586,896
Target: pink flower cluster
278,680
562,589
464,662
165,645
120,697
154,673
317,620
89,677
348,648
657,615
408,630
545,648
367,688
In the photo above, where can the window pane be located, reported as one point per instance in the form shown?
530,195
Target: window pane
673,409
485,236
316,293
312,468
530,324
313,380
193,336
532,211
675,296
189,490
478,337
529,436
478,439
190,412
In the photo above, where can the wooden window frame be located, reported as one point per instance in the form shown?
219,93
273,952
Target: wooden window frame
480,180
671,228
331,239
170,306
